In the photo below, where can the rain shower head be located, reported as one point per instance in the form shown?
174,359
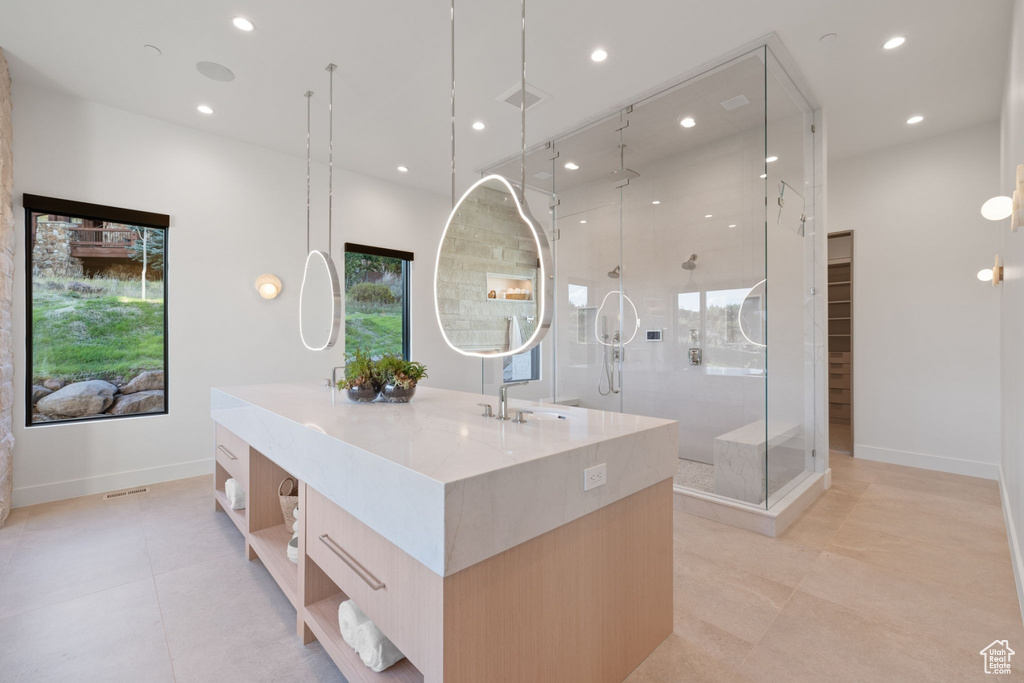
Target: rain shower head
691,263
614,274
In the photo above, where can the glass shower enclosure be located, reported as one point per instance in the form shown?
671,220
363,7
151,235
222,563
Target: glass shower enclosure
684,274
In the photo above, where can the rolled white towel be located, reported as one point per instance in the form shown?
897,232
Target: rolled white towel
350,617
295,527
375,649
296,514
235,494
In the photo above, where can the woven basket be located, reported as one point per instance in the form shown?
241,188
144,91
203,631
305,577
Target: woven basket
518,297
288,493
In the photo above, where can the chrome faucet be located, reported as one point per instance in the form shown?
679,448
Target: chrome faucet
503,399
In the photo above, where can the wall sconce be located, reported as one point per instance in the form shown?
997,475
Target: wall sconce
993,274
269,286
998,208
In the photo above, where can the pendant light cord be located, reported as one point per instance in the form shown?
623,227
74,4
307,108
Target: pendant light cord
453,100
309,97
330,166
522,109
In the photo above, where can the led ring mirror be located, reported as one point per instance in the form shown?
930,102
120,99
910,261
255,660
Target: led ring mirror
319,303
492,289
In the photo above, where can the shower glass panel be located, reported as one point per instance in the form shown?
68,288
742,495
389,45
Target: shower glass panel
671,246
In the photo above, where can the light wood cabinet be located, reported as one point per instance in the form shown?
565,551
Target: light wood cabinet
585,602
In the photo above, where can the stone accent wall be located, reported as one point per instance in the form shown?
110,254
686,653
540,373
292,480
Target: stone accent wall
6,292
51,252
486,236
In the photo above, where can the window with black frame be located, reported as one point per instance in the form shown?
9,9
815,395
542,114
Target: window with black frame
97,319
377,300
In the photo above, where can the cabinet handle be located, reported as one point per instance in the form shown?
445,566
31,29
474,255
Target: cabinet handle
228,453
353,564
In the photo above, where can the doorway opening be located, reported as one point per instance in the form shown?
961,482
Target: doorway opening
840,341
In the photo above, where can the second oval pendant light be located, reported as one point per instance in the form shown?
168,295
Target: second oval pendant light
320,295
490,300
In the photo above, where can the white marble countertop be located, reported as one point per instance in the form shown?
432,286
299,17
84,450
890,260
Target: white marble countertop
437,479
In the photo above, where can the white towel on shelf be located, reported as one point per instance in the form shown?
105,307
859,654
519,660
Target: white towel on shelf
235,494
515,334
296,514
350,618
375,649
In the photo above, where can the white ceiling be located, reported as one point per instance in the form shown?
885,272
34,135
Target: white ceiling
392,84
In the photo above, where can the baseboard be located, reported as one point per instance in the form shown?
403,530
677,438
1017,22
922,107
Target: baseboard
970,468
1011,533
59,490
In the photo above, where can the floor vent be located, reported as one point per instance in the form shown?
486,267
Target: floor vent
126,492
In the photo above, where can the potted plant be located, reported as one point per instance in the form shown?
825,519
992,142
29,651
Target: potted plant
362,379
399,378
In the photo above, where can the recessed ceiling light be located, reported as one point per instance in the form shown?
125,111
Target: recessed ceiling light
707,215
572,166
243,24
478,125
688,122
915,119
894,42
403,169
204,109
583,221
732,225
656,202
763,176
599,55
771,159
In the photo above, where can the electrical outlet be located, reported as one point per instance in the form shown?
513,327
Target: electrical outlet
595,476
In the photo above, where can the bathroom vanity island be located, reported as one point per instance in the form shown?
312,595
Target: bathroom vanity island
471,542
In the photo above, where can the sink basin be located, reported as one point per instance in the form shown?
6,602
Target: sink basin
547,415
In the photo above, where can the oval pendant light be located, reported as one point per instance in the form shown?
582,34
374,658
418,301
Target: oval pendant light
320,294
491,301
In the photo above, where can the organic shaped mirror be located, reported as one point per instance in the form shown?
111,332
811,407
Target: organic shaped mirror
492,288
319,303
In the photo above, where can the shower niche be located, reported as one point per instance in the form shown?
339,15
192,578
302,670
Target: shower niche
703,231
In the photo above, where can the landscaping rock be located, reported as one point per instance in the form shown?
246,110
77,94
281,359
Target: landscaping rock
39,392
53,384
139,402
79,399
150,380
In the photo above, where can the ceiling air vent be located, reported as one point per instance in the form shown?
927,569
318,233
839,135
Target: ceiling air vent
514,96
126,492
735,103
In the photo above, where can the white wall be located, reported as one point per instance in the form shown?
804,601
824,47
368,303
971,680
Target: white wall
1012,251
236,211
926,331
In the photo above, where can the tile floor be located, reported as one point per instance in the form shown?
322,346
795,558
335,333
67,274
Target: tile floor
894,574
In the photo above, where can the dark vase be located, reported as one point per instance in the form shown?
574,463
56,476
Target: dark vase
392,393
366,393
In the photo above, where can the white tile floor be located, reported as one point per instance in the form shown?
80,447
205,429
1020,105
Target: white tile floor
894,574
148,588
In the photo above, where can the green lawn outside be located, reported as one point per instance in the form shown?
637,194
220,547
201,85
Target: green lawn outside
378,330
98,335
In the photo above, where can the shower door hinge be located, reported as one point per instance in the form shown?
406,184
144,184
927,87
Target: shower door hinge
556,235
625,123
554,153
812,128
813,291
814,453
553,203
